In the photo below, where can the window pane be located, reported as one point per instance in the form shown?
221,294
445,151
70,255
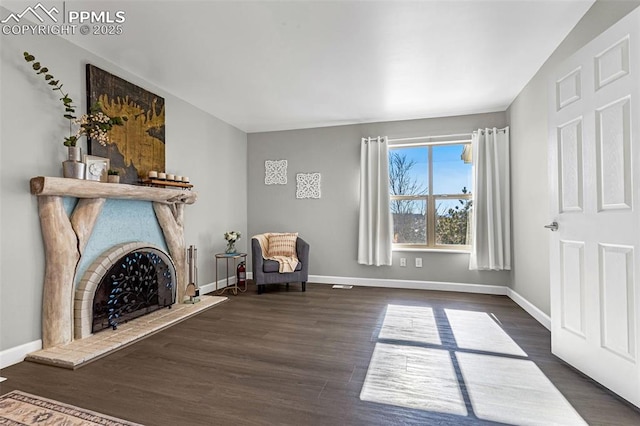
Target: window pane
409,221
452,221
409,171
450,173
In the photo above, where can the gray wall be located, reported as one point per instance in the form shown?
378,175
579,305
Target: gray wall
527,117
211,152
330,224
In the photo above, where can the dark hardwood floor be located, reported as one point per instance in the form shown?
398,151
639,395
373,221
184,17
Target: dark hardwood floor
288,358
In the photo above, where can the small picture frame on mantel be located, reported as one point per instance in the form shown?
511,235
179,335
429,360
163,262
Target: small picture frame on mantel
97,168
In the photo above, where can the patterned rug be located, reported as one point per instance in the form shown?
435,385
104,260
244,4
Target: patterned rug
20,408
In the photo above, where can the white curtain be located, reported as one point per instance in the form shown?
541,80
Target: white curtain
376,225
491,241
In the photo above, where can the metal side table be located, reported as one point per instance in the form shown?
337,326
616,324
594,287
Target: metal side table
235,288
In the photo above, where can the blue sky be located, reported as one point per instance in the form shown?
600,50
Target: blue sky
450,174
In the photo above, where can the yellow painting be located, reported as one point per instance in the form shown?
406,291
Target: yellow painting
139,145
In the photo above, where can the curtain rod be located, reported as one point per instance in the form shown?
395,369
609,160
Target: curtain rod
459,135
491,130
467,137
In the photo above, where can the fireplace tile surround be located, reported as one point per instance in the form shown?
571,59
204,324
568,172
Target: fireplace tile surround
110,230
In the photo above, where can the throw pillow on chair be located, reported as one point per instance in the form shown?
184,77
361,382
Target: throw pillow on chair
282,244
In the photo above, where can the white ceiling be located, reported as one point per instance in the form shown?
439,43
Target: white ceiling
273,65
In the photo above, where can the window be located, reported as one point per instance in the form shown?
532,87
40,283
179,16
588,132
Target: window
431,201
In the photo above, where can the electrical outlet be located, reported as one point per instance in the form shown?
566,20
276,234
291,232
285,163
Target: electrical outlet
403,261
418,262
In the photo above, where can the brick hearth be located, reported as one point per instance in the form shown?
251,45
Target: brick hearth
83,351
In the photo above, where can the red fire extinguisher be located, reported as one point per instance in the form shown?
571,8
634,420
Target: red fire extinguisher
241,275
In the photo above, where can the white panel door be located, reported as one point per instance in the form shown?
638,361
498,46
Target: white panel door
594,160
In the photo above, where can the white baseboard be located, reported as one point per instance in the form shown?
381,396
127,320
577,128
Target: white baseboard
17,353
211,287
531,309
411,284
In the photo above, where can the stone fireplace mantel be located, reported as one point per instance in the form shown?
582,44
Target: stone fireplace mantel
65,238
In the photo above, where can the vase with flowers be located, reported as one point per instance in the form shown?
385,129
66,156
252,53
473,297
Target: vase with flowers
95,124
231,237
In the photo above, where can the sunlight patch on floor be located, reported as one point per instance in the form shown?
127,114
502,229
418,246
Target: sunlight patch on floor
498,384
413,377
410,323
478,331
514,391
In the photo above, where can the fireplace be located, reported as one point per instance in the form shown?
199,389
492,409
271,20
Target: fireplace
67,311
138,283
65,237
127,281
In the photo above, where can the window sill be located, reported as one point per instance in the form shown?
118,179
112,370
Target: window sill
430,250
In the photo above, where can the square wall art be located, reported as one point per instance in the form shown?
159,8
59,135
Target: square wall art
275,172
139,145
308,185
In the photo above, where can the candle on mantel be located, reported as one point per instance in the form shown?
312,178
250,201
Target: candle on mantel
170,176
153,174
185,179
162,175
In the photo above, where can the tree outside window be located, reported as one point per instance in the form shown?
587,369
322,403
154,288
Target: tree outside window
431,201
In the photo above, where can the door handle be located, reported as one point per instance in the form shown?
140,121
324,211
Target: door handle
553,226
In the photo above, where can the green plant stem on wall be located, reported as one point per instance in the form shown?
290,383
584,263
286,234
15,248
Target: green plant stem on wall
69,108
96,124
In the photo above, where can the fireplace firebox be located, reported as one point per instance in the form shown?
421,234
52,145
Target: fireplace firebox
137,283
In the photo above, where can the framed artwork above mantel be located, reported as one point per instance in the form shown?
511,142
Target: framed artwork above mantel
139,145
